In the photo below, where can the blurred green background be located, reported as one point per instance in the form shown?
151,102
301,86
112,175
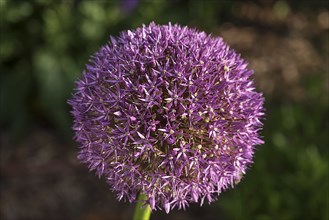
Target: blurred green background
44,46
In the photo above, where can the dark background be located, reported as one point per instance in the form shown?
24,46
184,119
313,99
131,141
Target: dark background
43,49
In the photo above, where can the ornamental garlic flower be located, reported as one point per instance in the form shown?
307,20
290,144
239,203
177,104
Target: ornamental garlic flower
167,111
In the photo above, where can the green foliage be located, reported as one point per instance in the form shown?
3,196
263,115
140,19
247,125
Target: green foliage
43,51
289,179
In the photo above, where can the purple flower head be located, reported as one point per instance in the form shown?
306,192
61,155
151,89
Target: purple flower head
167,111
127,6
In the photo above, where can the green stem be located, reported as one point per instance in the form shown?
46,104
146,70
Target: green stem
142,213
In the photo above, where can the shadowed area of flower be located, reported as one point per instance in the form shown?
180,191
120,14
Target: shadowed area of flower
167,111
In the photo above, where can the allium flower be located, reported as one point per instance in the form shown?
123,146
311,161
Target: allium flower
167,111
127,6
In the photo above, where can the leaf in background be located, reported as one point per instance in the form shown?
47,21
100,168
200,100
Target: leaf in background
14,90
54,89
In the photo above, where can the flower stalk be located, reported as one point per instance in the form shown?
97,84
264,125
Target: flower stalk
142,212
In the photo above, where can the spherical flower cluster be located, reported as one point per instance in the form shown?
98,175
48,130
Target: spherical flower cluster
169,112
